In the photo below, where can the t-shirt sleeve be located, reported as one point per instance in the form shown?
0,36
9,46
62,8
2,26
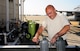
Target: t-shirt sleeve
65,21
44,24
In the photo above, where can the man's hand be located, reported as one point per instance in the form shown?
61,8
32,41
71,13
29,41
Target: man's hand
35,39
53,40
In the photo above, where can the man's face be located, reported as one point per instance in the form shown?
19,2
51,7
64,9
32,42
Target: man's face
51,13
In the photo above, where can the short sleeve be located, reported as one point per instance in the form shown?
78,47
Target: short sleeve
64,20
44,24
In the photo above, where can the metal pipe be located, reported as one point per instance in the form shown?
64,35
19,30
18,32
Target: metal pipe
19,9
7,15
22,9
5,38
14,12
10,32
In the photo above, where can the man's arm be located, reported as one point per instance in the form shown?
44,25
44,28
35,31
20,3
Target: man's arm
63,30
38,33
41,28
60,33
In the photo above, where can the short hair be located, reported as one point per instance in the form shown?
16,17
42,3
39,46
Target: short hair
50,6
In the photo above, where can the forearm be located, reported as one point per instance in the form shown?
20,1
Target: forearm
39,32
63,31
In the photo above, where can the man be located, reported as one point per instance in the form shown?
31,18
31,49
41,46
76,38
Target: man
57,25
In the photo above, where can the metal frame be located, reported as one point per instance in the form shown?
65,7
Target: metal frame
7,15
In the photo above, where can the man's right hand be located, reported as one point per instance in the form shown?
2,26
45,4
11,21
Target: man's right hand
35,39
